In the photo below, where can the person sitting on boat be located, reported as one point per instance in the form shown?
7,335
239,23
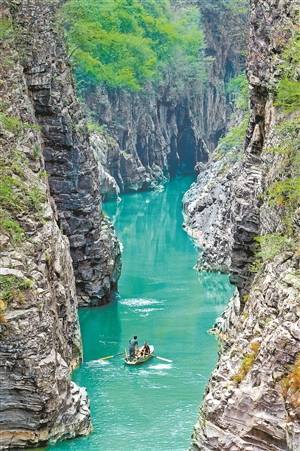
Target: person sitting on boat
133,347
145,350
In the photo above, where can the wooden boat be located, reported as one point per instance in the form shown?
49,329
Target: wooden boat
139,360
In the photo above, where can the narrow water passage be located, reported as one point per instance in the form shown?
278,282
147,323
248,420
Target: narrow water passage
163,300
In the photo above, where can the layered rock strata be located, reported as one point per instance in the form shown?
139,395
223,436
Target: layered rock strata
39,330
250,403
208,212
69,160
153,135
251,411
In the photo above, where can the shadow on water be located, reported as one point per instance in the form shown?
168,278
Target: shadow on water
100,330
163,300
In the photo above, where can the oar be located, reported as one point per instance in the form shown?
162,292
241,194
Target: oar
163,358
111,356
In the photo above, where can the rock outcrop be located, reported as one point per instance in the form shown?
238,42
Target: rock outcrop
154,135
69,160
39,330
208,212
245,407
225,30
252,400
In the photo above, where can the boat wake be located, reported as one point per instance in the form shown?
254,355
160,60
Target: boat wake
142,306
140,302
160,366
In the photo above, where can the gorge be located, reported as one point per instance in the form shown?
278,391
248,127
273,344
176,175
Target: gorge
139,404
162,90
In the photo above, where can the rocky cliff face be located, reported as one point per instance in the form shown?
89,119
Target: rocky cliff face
159,132
225,37
154,135
69,160
252,401
39,331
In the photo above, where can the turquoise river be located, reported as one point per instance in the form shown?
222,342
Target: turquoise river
165,301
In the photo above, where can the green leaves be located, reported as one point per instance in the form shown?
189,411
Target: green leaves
288,95
288,89
285,192
125,43
235,136
17,196
238,89
6,29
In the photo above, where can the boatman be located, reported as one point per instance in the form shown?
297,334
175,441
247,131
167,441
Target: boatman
133,347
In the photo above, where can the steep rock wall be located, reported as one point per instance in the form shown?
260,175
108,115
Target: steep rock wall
39,330
245,406
226,33
155,132
73,171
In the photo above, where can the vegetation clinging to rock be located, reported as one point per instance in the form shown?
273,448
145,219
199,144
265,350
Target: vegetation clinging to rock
288,89
247,362
17,197
290,385
237,90
12,288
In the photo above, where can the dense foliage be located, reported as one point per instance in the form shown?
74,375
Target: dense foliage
125,43
288,90
238,91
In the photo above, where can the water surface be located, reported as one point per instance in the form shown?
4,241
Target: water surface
163,300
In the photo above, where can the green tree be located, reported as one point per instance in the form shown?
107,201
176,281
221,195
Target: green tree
125,43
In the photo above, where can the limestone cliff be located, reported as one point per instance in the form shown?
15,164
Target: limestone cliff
39,330
69,160
252,401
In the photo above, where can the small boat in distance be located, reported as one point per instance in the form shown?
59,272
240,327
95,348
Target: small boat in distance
139,358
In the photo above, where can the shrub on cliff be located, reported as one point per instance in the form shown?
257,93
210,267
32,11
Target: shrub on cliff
17,196
125,43
237,90
288,89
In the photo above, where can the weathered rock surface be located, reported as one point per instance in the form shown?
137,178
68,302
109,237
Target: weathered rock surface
253,414
39,330
209,215
154,132
70,162
226,33
106,153
245,406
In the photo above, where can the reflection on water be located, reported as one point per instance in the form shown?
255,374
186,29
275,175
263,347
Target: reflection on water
163,300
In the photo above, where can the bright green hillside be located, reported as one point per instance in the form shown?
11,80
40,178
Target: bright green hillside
125,43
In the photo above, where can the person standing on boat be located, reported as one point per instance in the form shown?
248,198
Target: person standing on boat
133,347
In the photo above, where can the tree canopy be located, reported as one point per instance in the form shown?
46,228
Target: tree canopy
125,43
